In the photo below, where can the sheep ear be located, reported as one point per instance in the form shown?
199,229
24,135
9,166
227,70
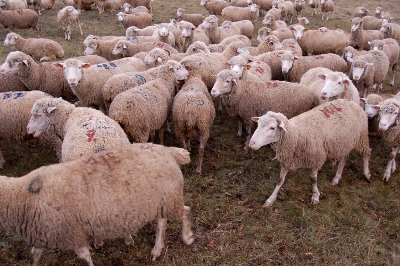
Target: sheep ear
234,81
364,100
58,65
282,125
169,53
255,119
86,65
51,109
248,67
369,64
305,30
188,68
323,77
124,46
26,63
376,107
296,57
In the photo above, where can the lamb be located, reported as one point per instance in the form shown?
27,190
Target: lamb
139,19
369,70
87,84
270,22
299,6
67,17
43,49
77,188
129,9
257,69
20,19
314,42
195,19
233,13
15,110
294,67
135,31
360,12
127,48
314,4
248,97
13,4
392,50
228,40
312,138
327,7
391,30
193,110
360,37
144,109
109,6
34,76
214,7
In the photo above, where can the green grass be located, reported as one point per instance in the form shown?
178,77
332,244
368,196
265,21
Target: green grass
356,222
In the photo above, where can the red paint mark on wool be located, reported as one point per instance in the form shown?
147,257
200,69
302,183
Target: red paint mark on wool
330,110
260,70
90,133
271,84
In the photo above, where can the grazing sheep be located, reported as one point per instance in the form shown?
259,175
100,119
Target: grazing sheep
329,131
270,22
129,9
392,50
369,70
41,49
193,110
299,6
109,6
250,97
214,7
327,7
314,4
77,189
67,17
137,3
15,109
360,12
139,19
144,109
135,31
391,30
314,42
233,13
195,19
128,49
44,76
20,19
360,37
294,67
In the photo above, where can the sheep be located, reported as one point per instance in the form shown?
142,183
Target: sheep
273,59
314,4
219,48
380,14
20,19
193,110
350,52
11,82
287,10
102,38
78,189
391,30
190,34
360,12
87,84
35,5
139,19
369,70
15,110
109,5
327,7
392,50
145,109
282,33
43,49
371,23
263,4
214,7
329,131
129,9
241,3
127,48
102,48
135,31
270,22
291,45
67,17
268,44
137,3
163,34
47,4
69,3
299,6
245,27
218,34
275,12
43,76
314,42
293,67
195,19
233,13
13,4
241,67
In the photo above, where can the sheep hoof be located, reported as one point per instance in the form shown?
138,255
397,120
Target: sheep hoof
188,239
98,243
155,253
386,177
198,170
268,203
335,182
128,240
315,199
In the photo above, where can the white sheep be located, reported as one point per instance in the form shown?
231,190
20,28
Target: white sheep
214,7
314,4
195,19
129,9
67,17
233,13
327,7
191,34
13,4
134,31
20,19
270,22
299,6
360,12
102,48
360,37
163,34
329,131
128,48
241,66
218,34
391,30
139,19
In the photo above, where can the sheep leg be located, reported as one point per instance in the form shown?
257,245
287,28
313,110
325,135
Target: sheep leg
394,74
37,29
203,141
159,245
187,233
366,167
219,109
80,28
380,87
36,254
189,147
339,171
98,243
84,254
314,175
268,203
128,240
152,136
391,166
249,125
240,128
68,32
2,161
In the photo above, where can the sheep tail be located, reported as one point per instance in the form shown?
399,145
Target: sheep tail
181,156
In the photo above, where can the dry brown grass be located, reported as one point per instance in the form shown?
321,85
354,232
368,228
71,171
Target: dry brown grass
355,223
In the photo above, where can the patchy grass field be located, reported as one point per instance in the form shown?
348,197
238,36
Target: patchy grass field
356,222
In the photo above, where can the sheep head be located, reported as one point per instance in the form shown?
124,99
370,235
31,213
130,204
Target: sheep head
287,59
226,80
298,31
156,57
16,63
389,114
356,24
358,67
73,71
268,20
371,104
335,85
11,39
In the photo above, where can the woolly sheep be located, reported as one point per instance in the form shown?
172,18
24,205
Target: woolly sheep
241,67
219,48
380,14
134,31
159,56
218,34
20,19
13,4
240,3
102,38
273,59
11,82
263,4
144,109
371,107
299,6
294,67
369,70
327,7
371,23
44,76
43,49
329,131
245,27
163,34
282,33
137,3
391,30
287,10
314,42
291,45
137,201
314,4
102,48
270,22
67,17
190,34
127,48
233,13
275,12
195,19
109,6
214,7
35,5
129,9
360,37
47,4
139,19
193,110
360,12
392,50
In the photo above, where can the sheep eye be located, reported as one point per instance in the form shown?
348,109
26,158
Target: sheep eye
227,81
340,82
272,128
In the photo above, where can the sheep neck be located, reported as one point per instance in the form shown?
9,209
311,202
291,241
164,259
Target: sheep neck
20,43
60,118
33,76
286,145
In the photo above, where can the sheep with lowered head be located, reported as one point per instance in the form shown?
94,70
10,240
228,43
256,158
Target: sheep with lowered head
77,190
329,131
20,19
233,13
139,19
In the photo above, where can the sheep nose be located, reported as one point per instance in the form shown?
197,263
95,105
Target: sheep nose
382,126
356,77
